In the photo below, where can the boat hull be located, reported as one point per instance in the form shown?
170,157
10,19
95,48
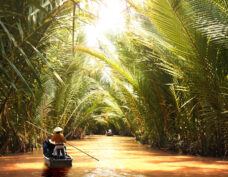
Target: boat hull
109,134
58,163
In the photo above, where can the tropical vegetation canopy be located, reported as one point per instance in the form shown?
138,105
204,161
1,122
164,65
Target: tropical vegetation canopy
166,81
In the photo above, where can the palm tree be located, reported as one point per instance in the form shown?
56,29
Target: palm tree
181,34
25,28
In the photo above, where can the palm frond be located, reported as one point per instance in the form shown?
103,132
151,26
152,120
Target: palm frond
113,63
211,20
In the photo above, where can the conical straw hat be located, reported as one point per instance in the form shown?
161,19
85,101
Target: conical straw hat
58,129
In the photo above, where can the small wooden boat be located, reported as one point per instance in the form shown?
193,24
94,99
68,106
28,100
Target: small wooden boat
53,162
109,133
51,159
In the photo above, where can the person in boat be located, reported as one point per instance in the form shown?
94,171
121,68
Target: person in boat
109,133
48,148
59,140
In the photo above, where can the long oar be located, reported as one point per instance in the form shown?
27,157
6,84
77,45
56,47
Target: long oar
66,143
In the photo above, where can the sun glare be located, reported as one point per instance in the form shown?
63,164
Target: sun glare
110,20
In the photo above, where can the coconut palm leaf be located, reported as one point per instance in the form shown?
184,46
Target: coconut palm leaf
18,73
8,79
46,61
113,63
211,18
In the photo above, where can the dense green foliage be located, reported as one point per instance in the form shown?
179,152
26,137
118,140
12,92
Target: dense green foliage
167,85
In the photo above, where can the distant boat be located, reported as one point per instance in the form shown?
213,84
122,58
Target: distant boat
109,133
51,159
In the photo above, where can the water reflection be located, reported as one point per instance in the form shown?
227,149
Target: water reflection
54,172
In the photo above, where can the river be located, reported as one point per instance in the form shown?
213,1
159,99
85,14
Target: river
119,156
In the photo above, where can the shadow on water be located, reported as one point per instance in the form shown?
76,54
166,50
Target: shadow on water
54,172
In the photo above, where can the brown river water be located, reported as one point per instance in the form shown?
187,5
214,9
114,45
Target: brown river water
119,156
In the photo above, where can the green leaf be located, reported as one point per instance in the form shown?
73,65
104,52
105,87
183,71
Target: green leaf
20,31
22,52
18,73
46,61
8,78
